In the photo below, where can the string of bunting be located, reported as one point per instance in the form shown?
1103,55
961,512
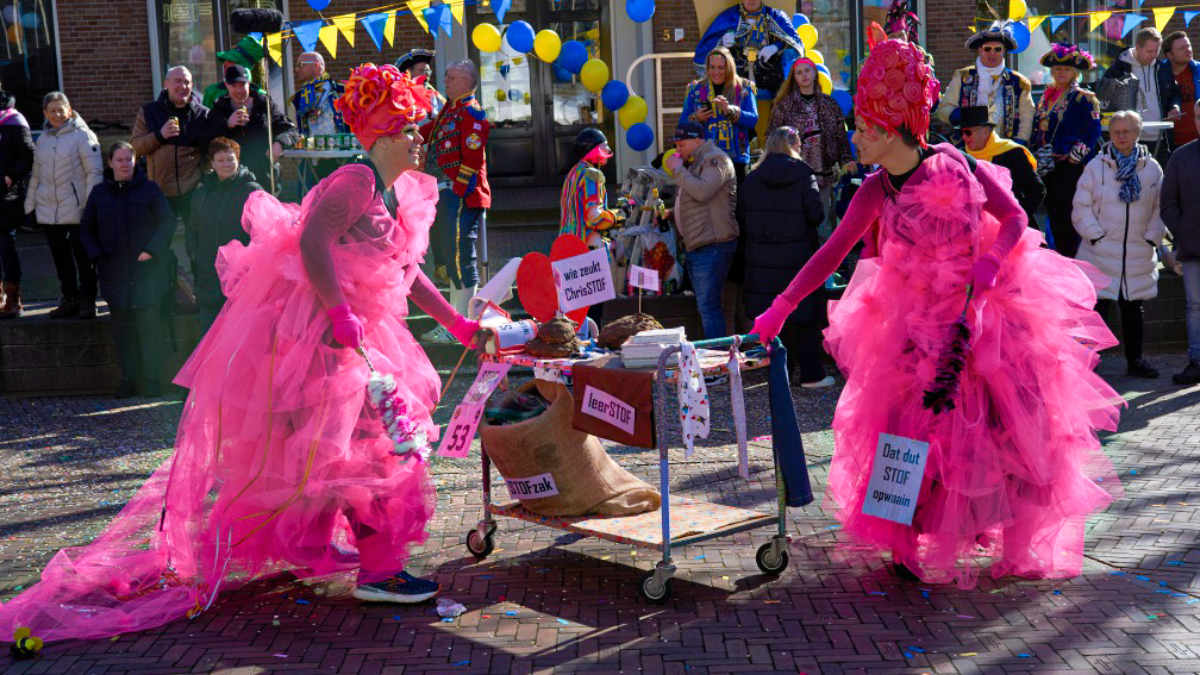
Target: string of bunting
1131,18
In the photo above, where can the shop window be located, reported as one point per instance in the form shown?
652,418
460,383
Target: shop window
187,37
1105,43
28,60
835,24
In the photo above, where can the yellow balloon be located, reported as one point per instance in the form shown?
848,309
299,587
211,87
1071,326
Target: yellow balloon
594,74
525,97
486,37
633,112
668,155
547,45
1017,9
816,56
808,35
826,83
501,96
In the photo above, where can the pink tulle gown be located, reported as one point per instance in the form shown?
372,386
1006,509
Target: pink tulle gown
1015,469
276,455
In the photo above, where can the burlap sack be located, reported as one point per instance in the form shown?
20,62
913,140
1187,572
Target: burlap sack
589,482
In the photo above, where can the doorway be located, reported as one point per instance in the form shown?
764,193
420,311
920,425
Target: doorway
536,109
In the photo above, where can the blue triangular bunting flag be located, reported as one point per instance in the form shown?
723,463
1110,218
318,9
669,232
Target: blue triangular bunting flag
1131,22
439,16
1188,16
500,7
307,33
1056,21
374,24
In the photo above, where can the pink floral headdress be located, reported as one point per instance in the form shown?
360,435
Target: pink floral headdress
381,101
900,19
897,88
1068,54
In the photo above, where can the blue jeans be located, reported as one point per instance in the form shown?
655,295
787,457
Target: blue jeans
707,267
1191,287
454,235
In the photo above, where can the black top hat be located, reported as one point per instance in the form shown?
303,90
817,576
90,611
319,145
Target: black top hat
974,116
413,57
997,32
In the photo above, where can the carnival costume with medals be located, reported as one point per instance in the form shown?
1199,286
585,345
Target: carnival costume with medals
584,203
1014,465
1004,91
755,39
279,462
316,114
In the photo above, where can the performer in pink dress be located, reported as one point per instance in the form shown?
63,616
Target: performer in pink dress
280,463
1014,467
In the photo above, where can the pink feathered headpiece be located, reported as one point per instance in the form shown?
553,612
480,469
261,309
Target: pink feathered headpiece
897,88
381,101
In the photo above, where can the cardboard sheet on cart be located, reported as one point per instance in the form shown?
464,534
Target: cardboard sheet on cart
689,518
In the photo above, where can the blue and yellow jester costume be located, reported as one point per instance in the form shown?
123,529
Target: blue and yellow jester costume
731,132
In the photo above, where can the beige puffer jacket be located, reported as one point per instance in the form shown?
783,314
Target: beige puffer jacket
704,207
66,166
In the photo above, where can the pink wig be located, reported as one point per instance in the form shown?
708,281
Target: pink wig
381,101
897,88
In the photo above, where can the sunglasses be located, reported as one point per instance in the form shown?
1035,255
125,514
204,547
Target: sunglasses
994,50
968,132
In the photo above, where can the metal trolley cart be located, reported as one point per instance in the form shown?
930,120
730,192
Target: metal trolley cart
680,521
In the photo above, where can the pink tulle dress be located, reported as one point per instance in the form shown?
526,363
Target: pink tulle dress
1015,469
278,464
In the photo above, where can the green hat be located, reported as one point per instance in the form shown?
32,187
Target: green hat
246,53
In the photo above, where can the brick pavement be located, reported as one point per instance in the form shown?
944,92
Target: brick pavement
547,601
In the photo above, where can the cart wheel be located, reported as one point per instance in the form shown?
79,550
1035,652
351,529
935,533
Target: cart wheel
654,592
480,549
773,565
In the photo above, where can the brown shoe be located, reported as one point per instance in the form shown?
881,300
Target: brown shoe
68,308
11,308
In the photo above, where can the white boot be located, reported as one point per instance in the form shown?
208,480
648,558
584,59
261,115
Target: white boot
462,302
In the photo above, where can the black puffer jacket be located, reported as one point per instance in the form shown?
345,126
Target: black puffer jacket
253,136
16,156
216,220
120,221
779,209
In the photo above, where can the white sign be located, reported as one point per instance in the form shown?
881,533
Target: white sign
535,487
456,442
608,408
583,280
643,277
896,478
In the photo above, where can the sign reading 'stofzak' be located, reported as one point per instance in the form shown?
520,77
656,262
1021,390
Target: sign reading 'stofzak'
896,478
534,487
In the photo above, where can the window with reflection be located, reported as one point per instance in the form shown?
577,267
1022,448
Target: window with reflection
835,26
573,103
1105,43
28,63
187,37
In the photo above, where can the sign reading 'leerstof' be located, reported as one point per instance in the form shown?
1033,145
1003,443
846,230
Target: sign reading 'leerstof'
608,408
583,280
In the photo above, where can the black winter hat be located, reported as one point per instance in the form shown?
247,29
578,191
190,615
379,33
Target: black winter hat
588,140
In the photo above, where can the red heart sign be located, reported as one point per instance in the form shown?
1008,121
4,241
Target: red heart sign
535,280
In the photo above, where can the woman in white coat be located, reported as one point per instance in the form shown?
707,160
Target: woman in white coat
1116,212
66,166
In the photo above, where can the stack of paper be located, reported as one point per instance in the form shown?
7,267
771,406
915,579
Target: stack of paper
642,350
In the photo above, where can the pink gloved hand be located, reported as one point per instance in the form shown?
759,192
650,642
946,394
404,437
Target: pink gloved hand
464,331
983,274
769,323
347,329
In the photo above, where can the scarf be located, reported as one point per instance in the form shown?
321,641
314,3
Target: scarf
998,146
989,78
1127,166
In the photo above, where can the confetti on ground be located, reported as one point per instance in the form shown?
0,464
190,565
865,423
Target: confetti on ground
564,622
771,602
280,656
303,602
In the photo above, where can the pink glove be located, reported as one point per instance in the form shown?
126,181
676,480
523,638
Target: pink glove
769,323
983,274
347,329
464,331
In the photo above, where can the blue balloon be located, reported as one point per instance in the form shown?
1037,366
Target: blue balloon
514,95
573,56
1021,35
844,100
318,5
639,11
853,149
561,75
822,69
640,136
799,20
614,95
520,36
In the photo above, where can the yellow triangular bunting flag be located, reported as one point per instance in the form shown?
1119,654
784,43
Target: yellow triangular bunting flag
1097,18
345,26
328,37
418,7
456,9
389,29
275,48
1162,16
1035,21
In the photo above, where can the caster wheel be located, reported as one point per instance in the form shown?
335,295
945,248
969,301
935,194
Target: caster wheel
774,565
480,547
654,592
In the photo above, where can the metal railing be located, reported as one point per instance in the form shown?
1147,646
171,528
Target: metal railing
659,110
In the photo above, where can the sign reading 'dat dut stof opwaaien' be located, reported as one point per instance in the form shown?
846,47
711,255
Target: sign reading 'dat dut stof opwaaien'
896,478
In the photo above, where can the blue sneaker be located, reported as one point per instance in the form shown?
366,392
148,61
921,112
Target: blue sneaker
403,588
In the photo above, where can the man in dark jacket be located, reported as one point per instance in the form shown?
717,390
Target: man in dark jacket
1181,214
217,206
778,212
16,161
126,229
981,141
1158,95
241,115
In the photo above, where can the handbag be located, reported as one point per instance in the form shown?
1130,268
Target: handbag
1045,160
1116,94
